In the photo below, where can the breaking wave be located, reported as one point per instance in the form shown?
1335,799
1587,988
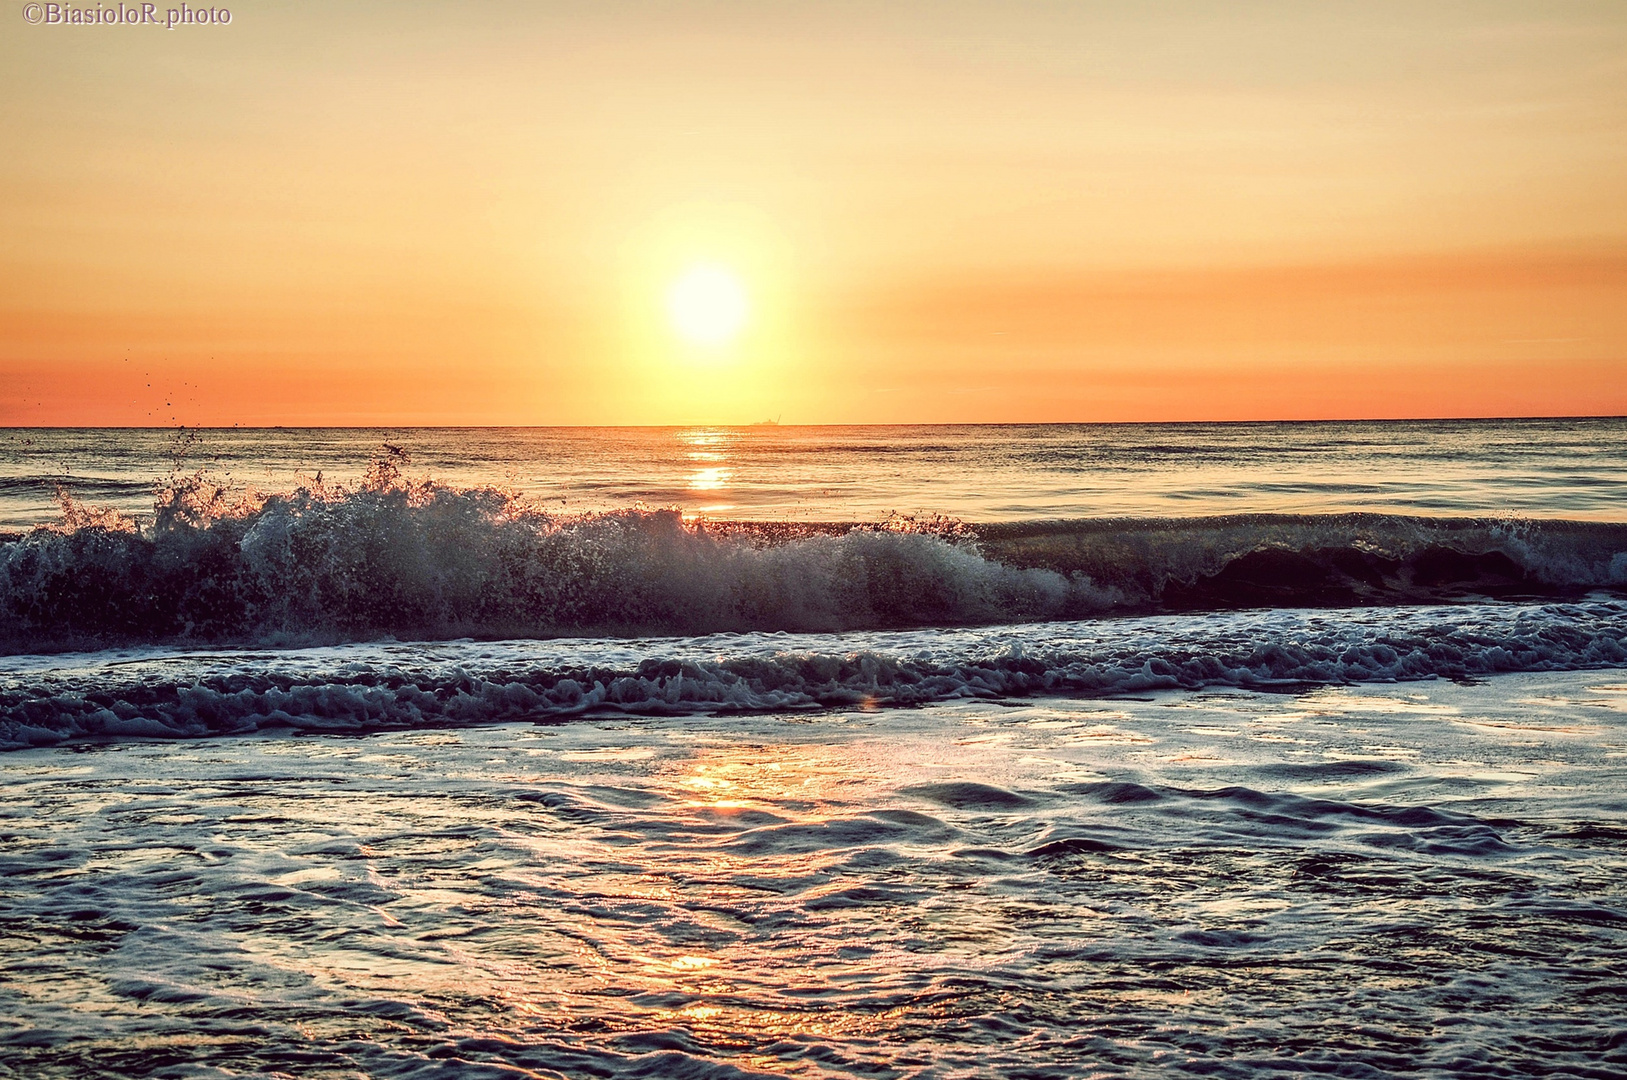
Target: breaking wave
357,688
1318,560
418,560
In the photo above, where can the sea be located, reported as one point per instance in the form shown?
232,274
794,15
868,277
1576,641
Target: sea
1222,750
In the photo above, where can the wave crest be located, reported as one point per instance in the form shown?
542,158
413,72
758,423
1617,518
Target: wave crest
426,562
418,560
359,688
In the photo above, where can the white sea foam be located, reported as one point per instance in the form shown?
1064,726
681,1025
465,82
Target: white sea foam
422,561
166,694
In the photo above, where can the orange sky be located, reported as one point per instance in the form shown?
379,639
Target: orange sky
446,213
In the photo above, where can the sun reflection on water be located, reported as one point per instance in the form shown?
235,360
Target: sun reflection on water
707,452
709,479
764,776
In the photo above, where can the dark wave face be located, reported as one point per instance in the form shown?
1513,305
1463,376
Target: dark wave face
424,561
1280,560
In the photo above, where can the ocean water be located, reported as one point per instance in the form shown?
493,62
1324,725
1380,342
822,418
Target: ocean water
1220,750
1575,469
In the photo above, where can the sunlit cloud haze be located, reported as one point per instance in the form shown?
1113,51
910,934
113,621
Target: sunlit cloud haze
475,214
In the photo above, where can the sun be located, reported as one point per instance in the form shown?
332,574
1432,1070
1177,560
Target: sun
708,305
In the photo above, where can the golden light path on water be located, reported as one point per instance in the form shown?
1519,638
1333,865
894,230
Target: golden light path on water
708,449
974,888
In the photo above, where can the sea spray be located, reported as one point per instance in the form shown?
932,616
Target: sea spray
414,559
421,560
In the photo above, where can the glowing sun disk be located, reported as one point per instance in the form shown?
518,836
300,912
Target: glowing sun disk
707,305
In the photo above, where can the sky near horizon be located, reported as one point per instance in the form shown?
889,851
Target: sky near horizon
439,213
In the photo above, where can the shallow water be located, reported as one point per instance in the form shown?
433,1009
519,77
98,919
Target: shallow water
1420,878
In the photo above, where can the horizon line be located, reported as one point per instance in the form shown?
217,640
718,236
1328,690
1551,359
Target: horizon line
761,424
